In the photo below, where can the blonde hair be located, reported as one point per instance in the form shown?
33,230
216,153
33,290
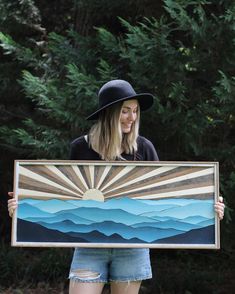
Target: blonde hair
106,137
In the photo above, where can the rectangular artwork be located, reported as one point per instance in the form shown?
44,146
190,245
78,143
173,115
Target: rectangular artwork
116,204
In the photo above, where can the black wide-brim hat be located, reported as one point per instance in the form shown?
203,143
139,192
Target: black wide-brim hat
117,91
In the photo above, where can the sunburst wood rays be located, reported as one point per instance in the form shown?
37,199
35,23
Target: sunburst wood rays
100,182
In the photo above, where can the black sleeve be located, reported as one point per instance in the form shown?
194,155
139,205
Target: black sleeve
146,150
77,148
72,152
80,150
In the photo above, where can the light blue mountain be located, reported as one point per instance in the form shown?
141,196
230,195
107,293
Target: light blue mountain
130,205
54,205
207,223
59,218
176,201
146,234
127,204
170,224
194,219
126,210
30,201
26,210
162,218
156,215
100,215
205,209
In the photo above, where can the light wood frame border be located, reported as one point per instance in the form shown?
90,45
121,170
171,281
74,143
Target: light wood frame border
214,165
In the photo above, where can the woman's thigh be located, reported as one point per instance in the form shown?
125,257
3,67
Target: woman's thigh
85,288
125,287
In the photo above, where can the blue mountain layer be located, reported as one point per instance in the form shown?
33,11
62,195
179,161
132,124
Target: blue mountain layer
31,232
97,237
26,210
177,208
54,205
196,219
59,218
207,223
127,204
170,219
198,236
176,201
30,201
114,218
115,215
147,234
169,224
205,210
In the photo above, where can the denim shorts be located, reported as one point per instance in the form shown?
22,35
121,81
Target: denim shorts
120,265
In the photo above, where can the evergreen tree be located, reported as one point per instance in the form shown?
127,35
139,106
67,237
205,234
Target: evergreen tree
183,54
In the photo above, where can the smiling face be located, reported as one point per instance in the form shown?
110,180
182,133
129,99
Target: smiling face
128,115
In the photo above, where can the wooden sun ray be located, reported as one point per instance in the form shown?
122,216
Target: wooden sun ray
116,173
27,183
80,182
103,176
72,178
178,193
138,175
50,172
154,182
99,170
23,193
178,190
28,178
86,181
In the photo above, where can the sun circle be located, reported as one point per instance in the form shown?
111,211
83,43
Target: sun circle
93,194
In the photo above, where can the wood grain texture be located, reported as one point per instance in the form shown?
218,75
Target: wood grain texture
73,181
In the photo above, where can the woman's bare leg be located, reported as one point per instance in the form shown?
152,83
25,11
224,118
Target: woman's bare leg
85,288
125,287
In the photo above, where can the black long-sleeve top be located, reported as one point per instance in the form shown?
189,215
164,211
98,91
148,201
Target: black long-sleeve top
80,150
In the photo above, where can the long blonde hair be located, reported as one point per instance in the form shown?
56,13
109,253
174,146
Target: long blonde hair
106,137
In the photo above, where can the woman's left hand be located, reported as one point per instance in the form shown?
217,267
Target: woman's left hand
219,208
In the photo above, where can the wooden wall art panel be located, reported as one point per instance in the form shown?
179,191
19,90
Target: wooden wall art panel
116,204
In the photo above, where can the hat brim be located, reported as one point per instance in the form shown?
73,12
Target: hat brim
145,101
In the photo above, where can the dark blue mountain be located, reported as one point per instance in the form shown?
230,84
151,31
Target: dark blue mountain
97,237
108,228
198,236
31,232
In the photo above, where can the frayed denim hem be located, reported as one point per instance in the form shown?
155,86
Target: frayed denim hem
137,279
75,279
78,280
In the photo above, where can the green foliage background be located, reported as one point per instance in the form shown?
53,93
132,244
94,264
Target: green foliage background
54,58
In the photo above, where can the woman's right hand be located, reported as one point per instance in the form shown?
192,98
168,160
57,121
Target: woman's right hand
12,204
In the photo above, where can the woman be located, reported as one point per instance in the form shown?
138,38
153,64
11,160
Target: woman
115,136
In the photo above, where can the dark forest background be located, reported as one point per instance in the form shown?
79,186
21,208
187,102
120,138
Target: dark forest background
54,57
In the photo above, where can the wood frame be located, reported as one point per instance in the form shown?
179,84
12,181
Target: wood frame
121,204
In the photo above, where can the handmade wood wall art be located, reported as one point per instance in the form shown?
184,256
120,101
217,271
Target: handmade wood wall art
116,204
